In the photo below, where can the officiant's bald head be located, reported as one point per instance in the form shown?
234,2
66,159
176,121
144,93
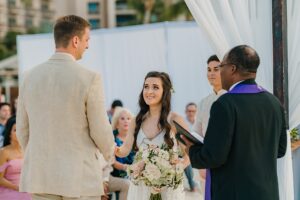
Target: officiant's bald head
240,63
244,57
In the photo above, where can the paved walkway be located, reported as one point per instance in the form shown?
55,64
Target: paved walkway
193,196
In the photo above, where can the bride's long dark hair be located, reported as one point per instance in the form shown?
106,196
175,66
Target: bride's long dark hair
163,123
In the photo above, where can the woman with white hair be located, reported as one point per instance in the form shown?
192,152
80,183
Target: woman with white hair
118,181
120,125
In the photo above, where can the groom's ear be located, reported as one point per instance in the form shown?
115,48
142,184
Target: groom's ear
75,41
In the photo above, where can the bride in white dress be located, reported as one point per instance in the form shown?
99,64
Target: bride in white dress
153,126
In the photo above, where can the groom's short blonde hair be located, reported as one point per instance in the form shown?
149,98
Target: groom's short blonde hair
67,27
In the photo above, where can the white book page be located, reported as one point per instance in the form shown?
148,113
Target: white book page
198,137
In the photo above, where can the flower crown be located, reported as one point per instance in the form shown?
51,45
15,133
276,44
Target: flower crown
172,90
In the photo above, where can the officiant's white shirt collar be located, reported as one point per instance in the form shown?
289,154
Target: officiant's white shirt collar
220,92
235,85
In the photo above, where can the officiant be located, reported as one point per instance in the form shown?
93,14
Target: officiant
246,133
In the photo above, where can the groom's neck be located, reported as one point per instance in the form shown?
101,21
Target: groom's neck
66,50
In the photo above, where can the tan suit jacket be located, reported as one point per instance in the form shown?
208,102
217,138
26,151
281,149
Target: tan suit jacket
61,122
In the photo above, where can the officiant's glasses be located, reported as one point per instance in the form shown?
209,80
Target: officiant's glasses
222,65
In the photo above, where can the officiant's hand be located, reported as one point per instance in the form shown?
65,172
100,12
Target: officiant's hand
188,144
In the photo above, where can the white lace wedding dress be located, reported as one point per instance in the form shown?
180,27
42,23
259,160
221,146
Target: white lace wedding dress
142,192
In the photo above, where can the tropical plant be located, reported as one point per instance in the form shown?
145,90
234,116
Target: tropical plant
26,2
149,11
294,134
3,51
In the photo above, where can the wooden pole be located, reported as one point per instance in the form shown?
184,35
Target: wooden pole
280,54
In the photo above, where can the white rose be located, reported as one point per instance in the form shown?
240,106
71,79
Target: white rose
164,163
164,155
136,169
152,172
145,154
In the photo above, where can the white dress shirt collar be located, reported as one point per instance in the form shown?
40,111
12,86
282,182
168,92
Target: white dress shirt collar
235,85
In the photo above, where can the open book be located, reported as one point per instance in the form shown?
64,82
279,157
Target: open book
192,137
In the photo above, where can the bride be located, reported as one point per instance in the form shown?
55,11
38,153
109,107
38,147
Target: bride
153,126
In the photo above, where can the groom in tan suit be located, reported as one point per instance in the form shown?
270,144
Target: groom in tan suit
62,122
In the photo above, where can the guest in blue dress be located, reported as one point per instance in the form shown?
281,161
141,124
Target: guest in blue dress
120,124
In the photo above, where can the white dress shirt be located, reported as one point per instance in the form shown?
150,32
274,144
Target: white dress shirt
203,112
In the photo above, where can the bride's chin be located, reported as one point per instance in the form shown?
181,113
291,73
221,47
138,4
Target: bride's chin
151,103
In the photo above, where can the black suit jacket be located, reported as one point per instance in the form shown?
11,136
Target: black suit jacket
246,134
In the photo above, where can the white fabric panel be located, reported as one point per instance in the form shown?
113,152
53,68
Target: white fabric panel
248,22
235,22
124,56
33,50
188,51
128,57
206,17
293,16
261,25
293,7
285,173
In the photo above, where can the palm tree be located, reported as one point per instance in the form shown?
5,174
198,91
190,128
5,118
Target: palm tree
179,8
143,8
148,4
26,2
159,10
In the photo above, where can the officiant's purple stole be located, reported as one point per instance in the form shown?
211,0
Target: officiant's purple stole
238,89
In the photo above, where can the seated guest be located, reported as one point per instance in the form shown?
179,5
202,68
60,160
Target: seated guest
120,125
190,112
115,104
5,114
11,159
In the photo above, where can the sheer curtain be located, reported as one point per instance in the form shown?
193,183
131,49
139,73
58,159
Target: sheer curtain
233,22
293,7
230,23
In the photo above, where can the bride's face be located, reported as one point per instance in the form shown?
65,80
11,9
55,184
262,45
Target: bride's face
153,91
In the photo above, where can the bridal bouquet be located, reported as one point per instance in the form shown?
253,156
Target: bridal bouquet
158,168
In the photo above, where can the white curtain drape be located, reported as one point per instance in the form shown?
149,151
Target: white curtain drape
293,7
230,23
234,22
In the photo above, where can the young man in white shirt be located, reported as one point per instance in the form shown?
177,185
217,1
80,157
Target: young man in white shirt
203,108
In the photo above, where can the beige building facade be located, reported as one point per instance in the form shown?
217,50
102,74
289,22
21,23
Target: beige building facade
100,13
21,15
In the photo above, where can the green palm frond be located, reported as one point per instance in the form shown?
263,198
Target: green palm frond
27,2
161,11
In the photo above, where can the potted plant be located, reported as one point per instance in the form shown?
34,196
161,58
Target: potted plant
294,134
